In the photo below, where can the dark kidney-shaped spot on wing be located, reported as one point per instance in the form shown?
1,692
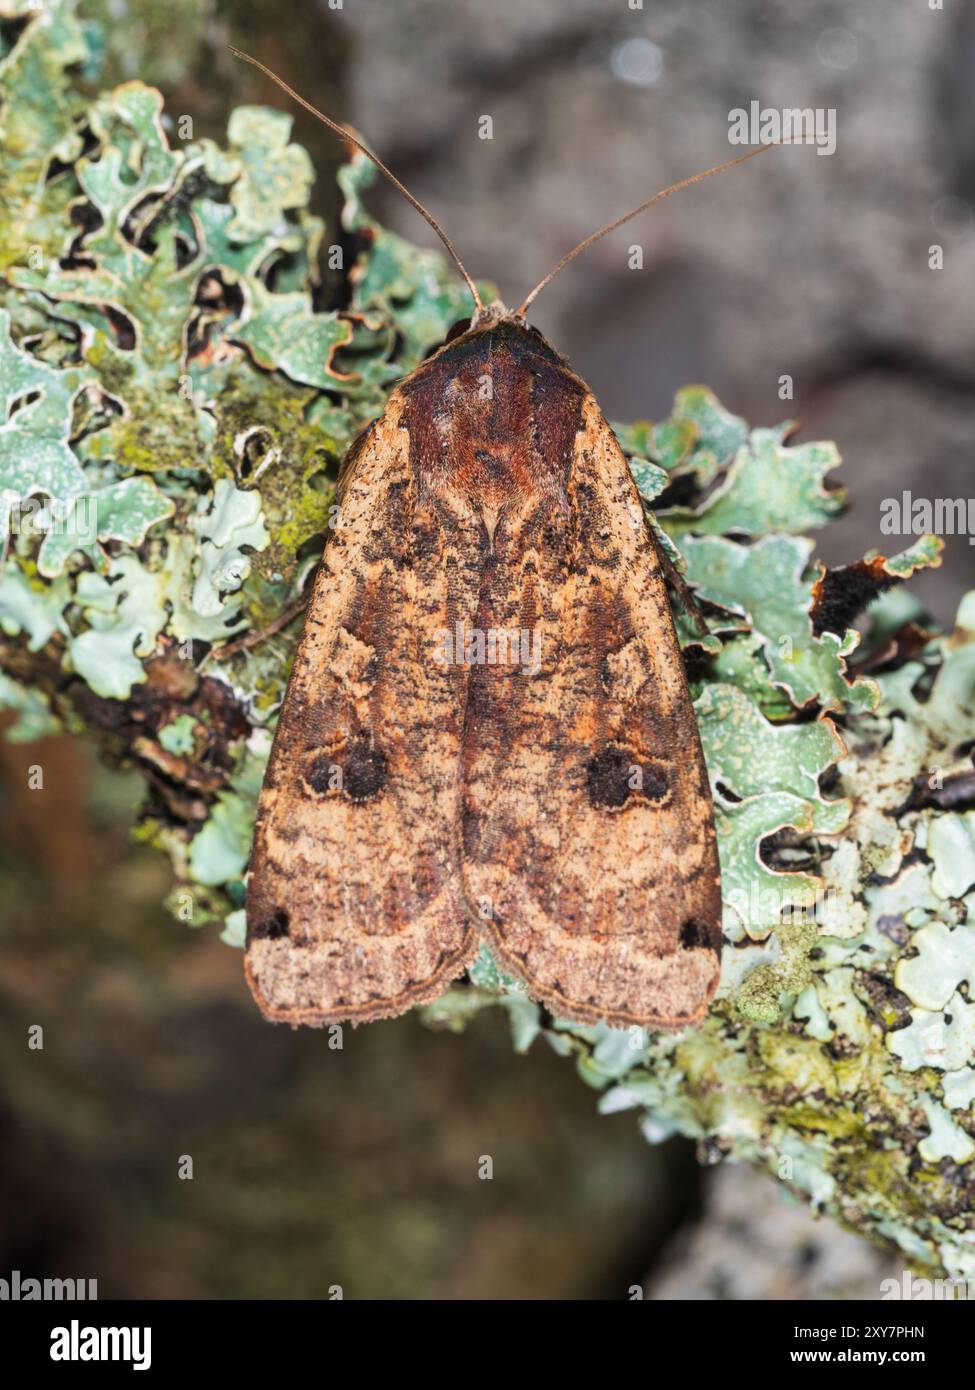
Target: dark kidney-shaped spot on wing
272,928
323,774
608,776
355,770
364,774
693,935
656,782
615,774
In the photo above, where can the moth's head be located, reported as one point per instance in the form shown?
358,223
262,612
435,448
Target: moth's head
487,315
501,325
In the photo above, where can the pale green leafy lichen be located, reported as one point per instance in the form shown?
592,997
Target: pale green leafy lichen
179,736
945,959
32,608
123,617
227,526
700,438
273,177
943,1039
946,1139
769,487
950,845
764,587
35,424
120,511
220,850
33,714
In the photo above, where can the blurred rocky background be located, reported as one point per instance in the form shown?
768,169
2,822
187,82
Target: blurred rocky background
315,1167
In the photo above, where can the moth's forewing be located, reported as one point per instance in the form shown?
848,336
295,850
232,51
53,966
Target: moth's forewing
589,832
355,905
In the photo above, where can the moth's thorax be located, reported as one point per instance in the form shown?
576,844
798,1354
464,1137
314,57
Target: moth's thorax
494,414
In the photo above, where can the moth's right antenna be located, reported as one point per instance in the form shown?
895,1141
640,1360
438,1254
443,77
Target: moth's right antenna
664,193
364,149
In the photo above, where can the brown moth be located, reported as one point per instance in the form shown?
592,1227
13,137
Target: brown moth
487,735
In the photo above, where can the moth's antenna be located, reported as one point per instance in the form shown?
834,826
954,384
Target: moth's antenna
364,149
664,193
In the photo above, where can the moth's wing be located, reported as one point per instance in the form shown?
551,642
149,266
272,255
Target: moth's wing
590,850
355,905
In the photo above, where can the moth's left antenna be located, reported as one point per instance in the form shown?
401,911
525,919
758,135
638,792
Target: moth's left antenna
364,149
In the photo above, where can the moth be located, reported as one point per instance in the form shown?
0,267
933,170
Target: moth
487,735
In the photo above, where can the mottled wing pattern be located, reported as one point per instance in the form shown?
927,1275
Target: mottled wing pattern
589,845
355,904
